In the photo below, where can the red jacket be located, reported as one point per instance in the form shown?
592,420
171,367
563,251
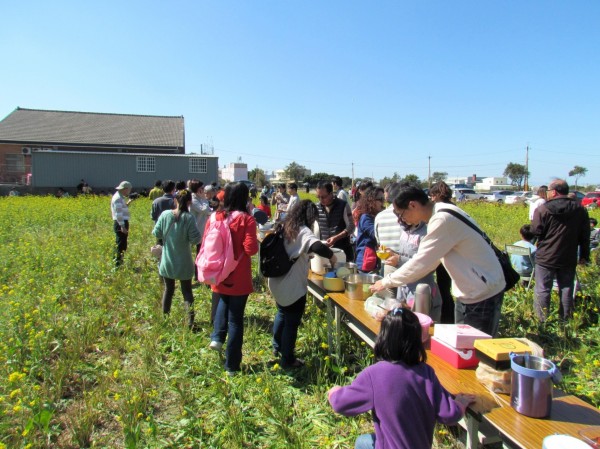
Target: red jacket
245,245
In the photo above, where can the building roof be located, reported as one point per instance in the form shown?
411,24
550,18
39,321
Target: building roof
89,128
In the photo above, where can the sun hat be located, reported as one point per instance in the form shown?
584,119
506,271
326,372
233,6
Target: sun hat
124,185
209,188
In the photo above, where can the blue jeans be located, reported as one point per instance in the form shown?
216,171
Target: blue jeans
285,329
484,315
366,441
544,277
229,319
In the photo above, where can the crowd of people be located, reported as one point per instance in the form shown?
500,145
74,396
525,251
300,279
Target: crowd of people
426,239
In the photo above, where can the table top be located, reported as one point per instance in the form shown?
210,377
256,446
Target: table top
569,415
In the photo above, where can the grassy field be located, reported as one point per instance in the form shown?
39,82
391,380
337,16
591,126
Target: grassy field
87,359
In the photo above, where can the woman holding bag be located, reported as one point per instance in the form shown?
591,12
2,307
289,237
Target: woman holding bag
178,231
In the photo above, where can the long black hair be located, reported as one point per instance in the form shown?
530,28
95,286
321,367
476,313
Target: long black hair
399,339
236,197
183,198
302,214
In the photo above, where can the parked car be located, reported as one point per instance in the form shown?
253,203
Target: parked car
498,196
466,194
579,195
520,198
589,198
250,184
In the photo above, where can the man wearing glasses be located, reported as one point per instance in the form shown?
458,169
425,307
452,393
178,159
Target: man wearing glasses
562,228
477,278
335,220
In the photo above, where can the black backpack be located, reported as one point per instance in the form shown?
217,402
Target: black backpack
274,260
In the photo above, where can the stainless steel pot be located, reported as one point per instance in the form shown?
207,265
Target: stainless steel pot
532,381
357,285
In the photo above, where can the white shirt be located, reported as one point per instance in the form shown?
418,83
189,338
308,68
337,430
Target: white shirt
471,263
290,287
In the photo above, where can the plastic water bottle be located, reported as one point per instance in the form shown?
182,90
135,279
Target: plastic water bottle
422,299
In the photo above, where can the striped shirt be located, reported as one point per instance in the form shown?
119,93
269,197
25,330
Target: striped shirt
387,229
119,209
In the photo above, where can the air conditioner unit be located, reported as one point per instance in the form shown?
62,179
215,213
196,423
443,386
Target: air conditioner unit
26,150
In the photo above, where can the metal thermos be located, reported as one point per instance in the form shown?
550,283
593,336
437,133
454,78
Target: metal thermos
422,299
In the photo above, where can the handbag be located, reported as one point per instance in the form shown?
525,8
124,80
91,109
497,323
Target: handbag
511,277
156,250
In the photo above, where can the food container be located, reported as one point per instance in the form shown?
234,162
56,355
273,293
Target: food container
563,442
344,269
331,283
426,322
458,358
378,306
460,336
591,435
357,285
532,384
319,265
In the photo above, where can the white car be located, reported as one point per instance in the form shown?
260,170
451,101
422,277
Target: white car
466,194
498,196
520,198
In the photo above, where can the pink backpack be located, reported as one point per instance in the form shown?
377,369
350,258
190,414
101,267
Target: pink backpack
215,261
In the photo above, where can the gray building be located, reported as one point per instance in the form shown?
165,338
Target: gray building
104,171
49,149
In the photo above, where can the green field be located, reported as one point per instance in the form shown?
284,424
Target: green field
87,359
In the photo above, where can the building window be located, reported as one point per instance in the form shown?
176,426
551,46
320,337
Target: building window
15,163
198,165
146,164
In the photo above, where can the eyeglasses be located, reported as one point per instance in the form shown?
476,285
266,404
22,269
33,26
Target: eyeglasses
399,215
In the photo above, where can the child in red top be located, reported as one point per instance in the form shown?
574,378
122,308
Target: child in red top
264,205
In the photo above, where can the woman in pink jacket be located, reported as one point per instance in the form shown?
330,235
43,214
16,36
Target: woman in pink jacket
234,291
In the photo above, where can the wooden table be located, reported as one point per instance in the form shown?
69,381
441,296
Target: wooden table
569,413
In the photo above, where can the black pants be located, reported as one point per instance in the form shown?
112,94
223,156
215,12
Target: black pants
121,242
188,297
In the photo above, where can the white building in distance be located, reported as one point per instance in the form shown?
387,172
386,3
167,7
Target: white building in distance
234,171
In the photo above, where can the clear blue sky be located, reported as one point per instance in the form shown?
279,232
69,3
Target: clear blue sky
382,84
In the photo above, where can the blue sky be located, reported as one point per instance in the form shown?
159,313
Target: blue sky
378,84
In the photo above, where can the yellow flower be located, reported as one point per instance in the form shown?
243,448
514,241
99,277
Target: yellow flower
24,433
140,415
326,358
116,374
117,396
259,380
267,391
16,376
275,367
15,392
324,345
17,408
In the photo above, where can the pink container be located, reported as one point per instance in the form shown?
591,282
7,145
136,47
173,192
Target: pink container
459,336
426,323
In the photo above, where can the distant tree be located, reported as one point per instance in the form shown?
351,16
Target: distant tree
516,173
577,173
257,176
313,180
412,180
438,176
346,181
387,180
295,171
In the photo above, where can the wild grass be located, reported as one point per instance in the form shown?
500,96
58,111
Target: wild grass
88,360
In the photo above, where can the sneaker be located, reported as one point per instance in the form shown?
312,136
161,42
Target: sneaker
215,345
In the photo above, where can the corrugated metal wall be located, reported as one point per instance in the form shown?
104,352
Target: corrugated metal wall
103,171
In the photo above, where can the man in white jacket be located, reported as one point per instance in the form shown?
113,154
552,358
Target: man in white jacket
477,279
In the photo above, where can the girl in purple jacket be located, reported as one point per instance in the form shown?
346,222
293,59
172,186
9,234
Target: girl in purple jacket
402,391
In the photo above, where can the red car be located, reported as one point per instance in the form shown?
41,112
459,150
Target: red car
589,198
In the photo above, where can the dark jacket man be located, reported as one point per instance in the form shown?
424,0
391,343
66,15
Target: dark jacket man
562,228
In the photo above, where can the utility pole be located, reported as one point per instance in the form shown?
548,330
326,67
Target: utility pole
526,186
429,171
352,174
